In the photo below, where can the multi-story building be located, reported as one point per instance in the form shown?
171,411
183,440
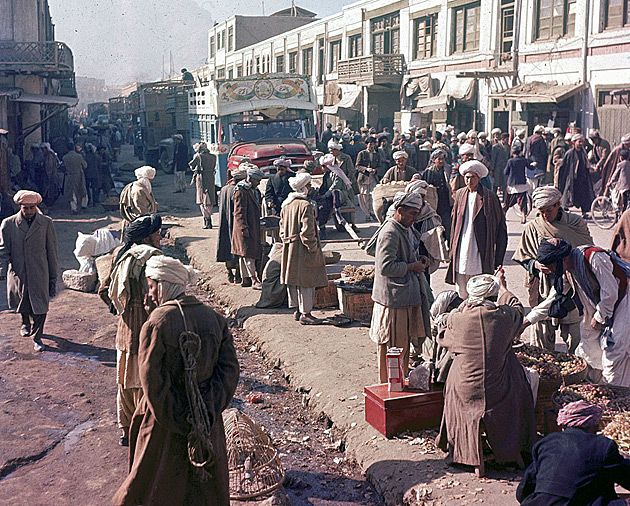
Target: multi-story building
472,64
36,74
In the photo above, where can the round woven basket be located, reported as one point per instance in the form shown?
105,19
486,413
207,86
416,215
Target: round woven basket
253,462
576,377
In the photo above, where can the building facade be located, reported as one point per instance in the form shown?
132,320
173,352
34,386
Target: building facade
472,64
36,74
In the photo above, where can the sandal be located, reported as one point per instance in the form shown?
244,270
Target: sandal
309,320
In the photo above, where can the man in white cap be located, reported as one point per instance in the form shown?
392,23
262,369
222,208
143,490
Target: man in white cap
180,162
478,229
278,186
551,222
402,171
189,371
345,163
246,240
334,192
574,180
486,390
612,161
203,166
537,153
466,152
496,135
136,199
397,314
28,261
302,267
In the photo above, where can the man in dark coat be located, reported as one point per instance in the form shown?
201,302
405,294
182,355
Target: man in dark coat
499,157
575,466
612,161
246,241
538,155
278,187
226,220
599,152
574,180
180,163
28,261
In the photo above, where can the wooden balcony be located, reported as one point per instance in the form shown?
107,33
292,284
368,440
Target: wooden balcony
53,59
371,70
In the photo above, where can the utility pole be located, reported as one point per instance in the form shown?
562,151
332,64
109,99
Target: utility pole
263,7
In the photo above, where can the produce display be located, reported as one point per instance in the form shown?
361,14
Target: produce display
619,430
549,364
358,276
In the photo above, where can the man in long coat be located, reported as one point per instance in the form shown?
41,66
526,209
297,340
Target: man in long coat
246,240
136,199
124,292
160,468
397,315
478,229
368,163
486,389
180,163
613,159
203,167
28,260
302,268
574,180
226,220
278,187
551,222
75,191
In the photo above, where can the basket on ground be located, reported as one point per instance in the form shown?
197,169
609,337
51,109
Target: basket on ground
253,463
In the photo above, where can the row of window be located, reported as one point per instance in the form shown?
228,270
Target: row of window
554,18
218,42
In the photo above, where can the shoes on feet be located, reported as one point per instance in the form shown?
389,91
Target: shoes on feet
257,285
297,316
309,320
25,330
123,440
230,277
246,283
38,345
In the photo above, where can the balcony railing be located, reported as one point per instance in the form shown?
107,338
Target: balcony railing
54,58
374,69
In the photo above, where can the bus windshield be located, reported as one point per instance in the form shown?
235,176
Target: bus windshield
248,132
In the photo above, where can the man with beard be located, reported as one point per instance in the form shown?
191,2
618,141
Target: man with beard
278,187
574,180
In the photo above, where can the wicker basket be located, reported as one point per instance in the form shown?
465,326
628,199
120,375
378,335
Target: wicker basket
576,377
253,463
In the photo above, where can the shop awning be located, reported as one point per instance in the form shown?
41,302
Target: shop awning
459,89
46,99
350,100
538,92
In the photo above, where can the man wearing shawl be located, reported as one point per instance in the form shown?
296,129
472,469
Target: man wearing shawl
574,180
32,277
136,199
486,390
334,192
397,316
246,240
551,222
345,163
162,433
575,466
612,160
402,171
226,220
478,229
203,166
602,287
302,268
125,292
438,174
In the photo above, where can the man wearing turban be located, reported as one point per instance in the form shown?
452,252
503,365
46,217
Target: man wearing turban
188,370
334,192
574,180
124,291
486,389
203,166
302,267
278,187
368,163
438,174
28,261
226,220
397,318
611,162
478,229
550,222
402,171
136,199
575,466
602,286
246,240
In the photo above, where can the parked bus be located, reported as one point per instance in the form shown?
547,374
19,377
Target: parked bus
249,109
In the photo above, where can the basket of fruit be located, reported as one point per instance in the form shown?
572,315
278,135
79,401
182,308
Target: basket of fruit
618,429
553,365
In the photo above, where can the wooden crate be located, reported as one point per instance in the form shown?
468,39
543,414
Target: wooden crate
326,296
391,413
357,306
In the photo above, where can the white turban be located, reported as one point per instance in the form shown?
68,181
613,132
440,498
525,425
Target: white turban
171,274
475,167
284,162
496,131
327,160
400,154
300,181
27,198
146,172
576,137
333,144
461,136
625,139
426,145
483,135
482,287
520,132
466,149
538,129
442,302
418,186
545,196
407,199
471,133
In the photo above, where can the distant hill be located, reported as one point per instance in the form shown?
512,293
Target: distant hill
122,40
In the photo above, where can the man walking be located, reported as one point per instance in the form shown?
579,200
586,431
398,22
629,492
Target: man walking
136,199
574,180
180,163
28,260
75,191
203,167
125,292
368,162
478,229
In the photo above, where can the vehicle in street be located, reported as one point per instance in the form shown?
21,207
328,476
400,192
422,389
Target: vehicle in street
262,153
250,110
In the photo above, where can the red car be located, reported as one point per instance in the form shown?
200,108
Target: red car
262,153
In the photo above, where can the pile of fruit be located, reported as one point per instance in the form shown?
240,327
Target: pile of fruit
551,365
619,430
358,276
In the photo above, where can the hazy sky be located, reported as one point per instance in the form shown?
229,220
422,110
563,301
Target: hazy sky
126,40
